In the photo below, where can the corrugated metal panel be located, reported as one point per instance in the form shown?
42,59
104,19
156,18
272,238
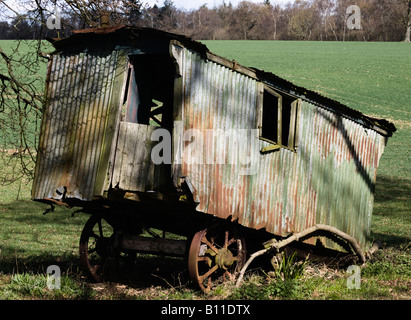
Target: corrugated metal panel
329,179
82,93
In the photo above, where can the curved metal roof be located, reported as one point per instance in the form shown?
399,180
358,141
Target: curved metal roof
153,40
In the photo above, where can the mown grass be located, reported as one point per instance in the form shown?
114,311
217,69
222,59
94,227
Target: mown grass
31,241
371,77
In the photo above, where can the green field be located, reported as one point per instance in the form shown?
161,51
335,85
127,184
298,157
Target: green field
374,78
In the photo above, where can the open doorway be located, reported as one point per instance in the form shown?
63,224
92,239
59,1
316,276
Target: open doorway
146,106
148,98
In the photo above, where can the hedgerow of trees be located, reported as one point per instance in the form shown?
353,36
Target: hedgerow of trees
381,20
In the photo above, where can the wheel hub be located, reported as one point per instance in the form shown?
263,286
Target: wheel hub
224,259
104,247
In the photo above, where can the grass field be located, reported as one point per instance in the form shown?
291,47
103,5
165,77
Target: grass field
374,78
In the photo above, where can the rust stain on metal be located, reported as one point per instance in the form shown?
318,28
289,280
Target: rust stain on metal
79,94
326,176
330,178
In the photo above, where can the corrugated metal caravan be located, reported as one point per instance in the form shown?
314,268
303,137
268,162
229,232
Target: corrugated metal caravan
147,128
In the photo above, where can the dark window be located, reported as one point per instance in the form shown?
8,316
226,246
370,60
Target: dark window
148,97
270,116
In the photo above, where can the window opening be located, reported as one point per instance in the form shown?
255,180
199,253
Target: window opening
148,95
131,99
156,113
278,120
271,103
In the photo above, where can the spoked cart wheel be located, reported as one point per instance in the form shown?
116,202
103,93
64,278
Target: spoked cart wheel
216,255
97,249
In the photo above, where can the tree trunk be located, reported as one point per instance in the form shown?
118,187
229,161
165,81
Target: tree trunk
408,32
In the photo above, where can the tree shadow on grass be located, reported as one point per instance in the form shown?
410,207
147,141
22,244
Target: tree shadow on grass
26,231
144,272
392,189
392,211
36,264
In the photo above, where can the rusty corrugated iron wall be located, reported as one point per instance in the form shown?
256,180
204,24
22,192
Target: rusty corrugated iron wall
329,179
81,109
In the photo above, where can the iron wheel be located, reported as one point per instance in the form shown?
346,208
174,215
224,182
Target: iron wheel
216,255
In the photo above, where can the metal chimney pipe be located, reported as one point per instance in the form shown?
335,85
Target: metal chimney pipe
104,19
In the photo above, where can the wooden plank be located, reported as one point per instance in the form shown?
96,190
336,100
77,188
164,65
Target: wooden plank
260,97
280,121
118,162
150,180
140,157
293,121
168,247
271,147
297,121
232,64
130,146
134,170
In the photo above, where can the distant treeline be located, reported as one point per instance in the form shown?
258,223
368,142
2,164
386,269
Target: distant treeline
328,20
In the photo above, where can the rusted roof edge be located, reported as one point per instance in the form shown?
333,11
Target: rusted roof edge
382,126
85,37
